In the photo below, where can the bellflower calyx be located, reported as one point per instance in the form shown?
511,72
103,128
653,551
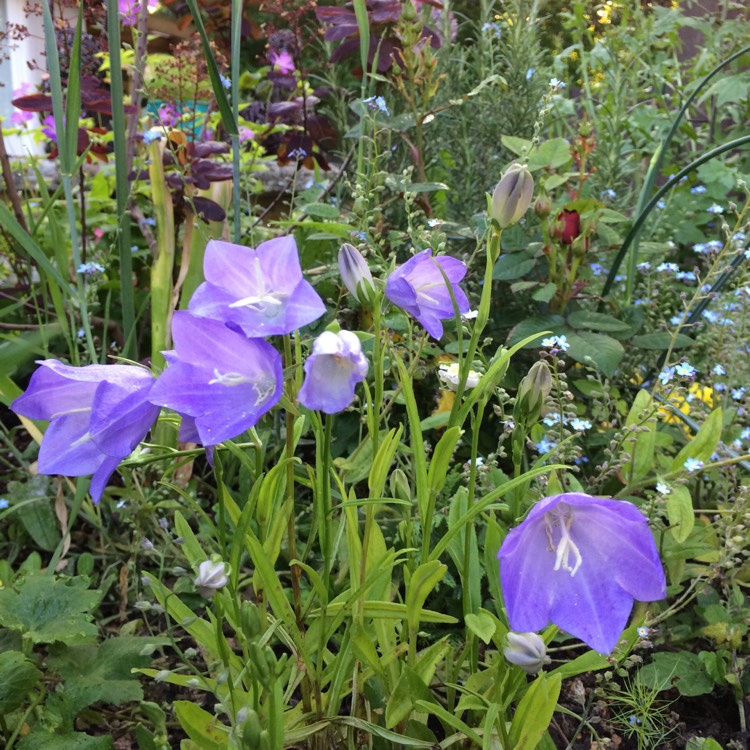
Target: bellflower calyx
579,562
223,381
98,414
259,291
332,371
419,287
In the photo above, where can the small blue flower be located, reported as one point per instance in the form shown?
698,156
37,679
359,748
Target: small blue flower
714,246
685,370
545,446
3,503
555,83
151,135
552,419
597,269
745,434
635,721
720,387
739,238
644,266
666,375
662,488
668,267
685,276
643,632
530,73
693,464
225,82
378,103
661,204
90,269
718,370
675,320
556,342
609,193
698,190
701,248
580,424
737,444
149,221
80,333
738,393
297,153
710,316
715,209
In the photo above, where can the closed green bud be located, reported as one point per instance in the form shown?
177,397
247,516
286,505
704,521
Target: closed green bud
532,394
356,274
526,650
400,487
512,196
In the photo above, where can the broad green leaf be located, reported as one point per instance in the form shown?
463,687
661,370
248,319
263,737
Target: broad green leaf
662,340
482,625
203,728
597,350
321,210
46,610
33,499
680,513
545,294
642,449
409,689
101,673
534,712
597,321
702,743
512,266
18,676
426,187
704,443
682,670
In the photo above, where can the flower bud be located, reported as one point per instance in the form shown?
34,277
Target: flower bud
532,393
355,273
512,196
450,374
543,207
567,226
400,486
211,577
526,650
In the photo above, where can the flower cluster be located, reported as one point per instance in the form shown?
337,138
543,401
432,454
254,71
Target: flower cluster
222,375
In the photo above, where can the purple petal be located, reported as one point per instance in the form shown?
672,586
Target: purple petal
101,476
67,447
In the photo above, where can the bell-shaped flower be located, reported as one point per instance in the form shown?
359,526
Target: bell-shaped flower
223,381
419,287
98,414
260,291
579,562
332,371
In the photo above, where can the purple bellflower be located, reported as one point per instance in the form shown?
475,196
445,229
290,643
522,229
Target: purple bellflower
332,371
579,562
418,286
223,381
98,414
260,291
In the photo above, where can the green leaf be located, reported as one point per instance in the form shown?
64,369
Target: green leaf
73,741
94,673
595,349
18,676
703,445
702,743
409,689
423,580
546,293
682,670
591,661
662,341
544,325
321,210
551,154
680,513
426,187
383,460
203,728
512,266
441,459
482,625
641,445
37,515
534,712
597,321
46,610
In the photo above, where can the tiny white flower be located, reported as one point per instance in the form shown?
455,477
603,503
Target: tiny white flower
450,374
211,577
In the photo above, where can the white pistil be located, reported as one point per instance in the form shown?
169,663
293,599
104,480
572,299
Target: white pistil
564,548
228,378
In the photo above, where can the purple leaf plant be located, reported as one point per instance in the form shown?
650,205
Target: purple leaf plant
98,414
579,562
419,287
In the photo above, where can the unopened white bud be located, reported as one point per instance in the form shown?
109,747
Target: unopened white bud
211,577
526,650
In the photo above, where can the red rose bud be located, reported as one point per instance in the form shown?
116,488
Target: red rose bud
567,226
